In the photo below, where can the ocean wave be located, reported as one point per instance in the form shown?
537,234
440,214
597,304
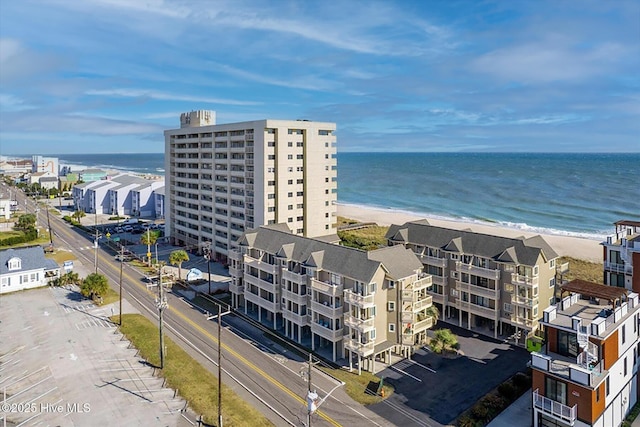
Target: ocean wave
599,236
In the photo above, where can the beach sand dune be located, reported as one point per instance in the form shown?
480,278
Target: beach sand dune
585,249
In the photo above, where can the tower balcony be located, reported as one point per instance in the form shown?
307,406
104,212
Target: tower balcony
555,409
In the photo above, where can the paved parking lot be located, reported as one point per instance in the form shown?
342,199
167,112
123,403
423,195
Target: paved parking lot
62,362
436,390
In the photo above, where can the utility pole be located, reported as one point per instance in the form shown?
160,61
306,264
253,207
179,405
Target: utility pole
219,366
121,263
161,303
49,227
312,396
95,242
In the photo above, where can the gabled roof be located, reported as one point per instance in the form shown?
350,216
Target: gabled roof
349,262
31,257
500,249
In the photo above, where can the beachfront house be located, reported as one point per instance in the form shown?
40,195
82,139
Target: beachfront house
586,374
340,301
621,254
490,284
25,268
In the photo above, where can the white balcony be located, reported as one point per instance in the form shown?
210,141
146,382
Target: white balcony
490,313
423,325
417,303
618,268
439,280
294,277
493,294
262,284
489,273
326,288
234,271
518,279
327,310
325,332
555,409
523,301
362,325
293,297
295,318
272,306
357,347
361,301
236,289
263,266
423,283
434,261
439,298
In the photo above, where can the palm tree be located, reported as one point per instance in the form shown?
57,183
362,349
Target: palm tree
434,313
177,258
78,214
94,285
149,238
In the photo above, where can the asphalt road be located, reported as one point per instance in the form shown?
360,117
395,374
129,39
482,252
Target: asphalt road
268,380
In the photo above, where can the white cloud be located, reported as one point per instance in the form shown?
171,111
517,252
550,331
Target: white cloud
162,96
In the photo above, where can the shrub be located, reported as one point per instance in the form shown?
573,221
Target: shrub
507,390
521,381
466,421
479,411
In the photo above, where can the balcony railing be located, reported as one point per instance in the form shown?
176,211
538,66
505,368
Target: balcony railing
434,261
327,310
362,325
234,271
236,289
417,304
362,301
489,273
272,306
478,290
359,348
260,265
262,284
326,288
292,296
295,318
422,283
294,277
555,409
618,268
518,279
326,332
488,312
524,301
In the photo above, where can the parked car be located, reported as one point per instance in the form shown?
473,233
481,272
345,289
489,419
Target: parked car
124,258
119,230
127,229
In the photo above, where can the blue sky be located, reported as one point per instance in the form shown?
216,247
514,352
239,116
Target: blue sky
105,76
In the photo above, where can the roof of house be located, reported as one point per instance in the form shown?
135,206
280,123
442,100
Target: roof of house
31,257
521,250
350,262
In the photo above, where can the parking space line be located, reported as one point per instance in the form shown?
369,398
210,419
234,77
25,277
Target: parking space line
421,365
405,373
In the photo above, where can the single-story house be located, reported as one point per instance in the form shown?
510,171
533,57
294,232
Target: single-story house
25,268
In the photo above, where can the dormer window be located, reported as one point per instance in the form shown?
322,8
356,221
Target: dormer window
14,263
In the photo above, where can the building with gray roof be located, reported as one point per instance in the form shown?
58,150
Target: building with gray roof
352,303
485,282
122,194
25,268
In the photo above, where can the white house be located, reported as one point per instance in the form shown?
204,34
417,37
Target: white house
25,268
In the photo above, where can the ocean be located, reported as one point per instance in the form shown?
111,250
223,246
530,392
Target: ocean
568,194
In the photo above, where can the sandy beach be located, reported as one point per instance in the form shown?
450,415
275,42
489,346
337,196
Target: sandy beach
575,247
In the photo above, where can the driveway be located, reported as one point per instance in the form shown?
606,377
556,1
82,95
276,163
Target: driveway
436,390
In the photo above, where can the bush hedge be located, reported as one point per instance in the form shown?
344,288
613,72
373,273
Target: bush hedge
28,236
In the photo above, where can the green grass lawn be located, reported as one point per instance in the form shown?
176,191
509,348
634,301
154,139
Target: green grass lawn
194,383
60,256
356,385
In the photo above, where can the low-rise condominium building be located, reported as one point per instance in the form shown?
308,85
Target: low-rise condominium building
350,303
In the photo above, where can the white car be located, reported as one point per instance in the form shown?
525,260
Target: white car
127,229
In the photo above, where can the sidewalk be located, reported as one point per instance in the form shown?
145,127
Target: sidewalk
519,413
